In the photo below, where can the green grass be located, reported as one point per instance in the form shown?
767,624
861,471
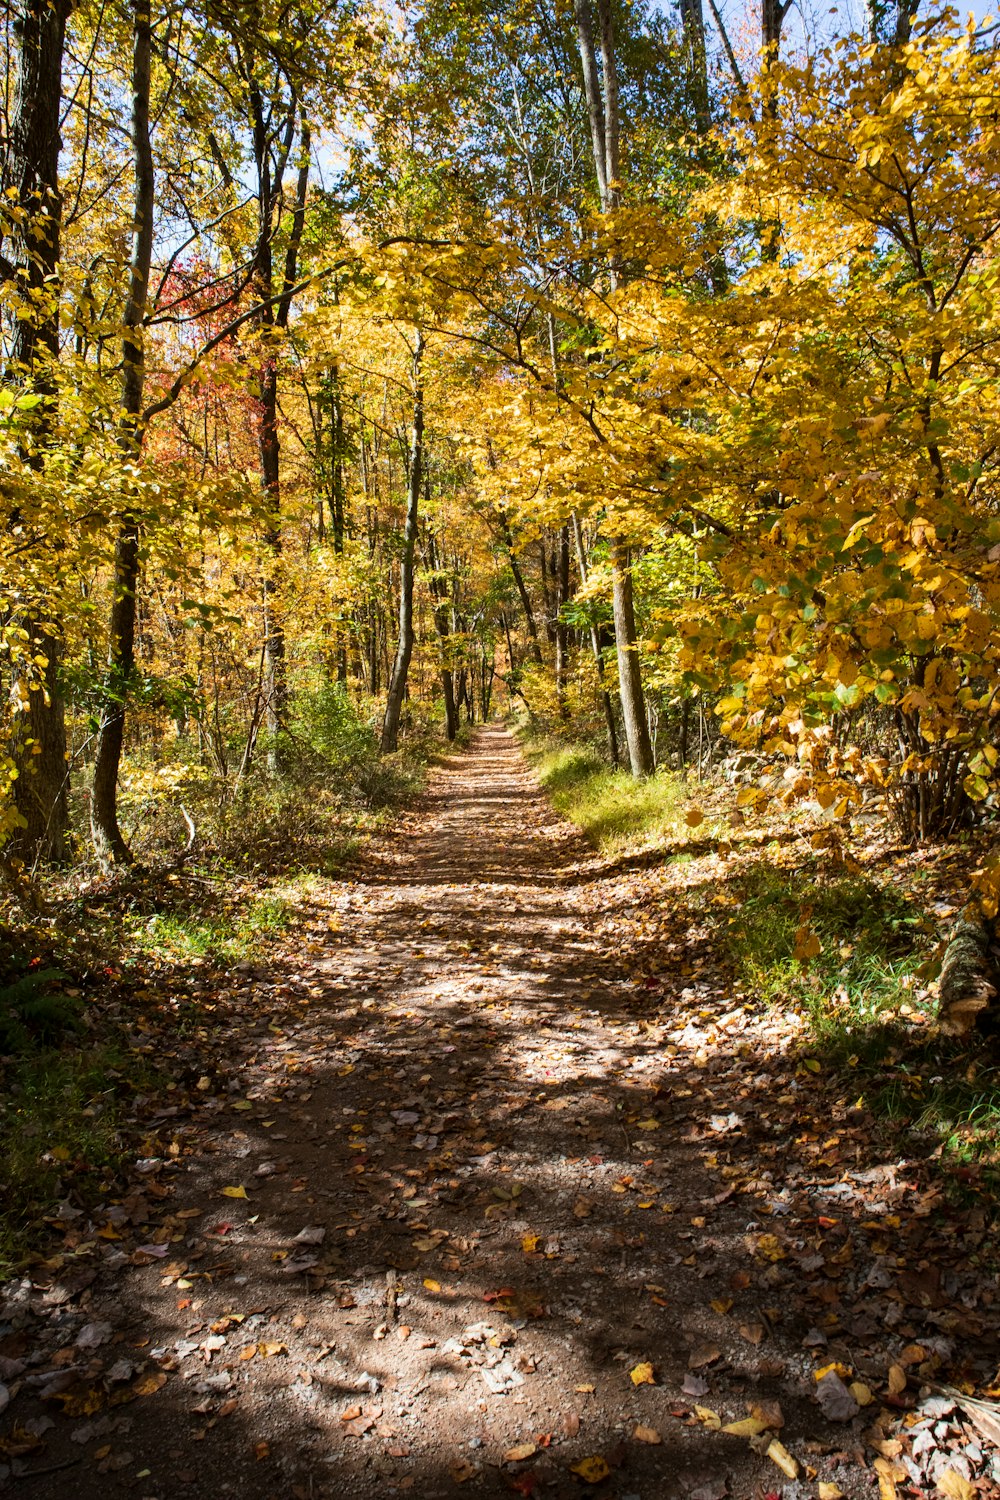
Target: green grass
864,998
228,936
871,941
615,811
60,1124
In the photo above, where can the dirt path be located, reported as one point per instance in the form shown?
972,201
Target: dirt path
489,1233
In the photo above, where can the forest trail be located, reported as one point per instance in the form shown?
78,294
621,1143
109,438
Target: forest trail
489,1240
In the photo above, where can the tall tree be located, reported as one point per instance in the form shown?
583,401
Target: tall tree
108,839
31,220
602,109
405,637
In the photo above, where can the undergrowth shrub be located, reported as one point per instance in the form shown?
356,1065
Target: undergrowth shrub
34,1009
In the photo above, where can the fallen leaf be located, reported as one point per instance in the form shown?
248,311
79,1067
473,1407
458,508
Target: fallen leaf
829,1491
951,1483
747,1427
708,1417
779,1454
261,1451
704,1354
897,1380
591,1470
770,1413
431,1284
838,1404
647,1435
520,1453
642,1374
234,1192
149,1384
269,1350
752,1332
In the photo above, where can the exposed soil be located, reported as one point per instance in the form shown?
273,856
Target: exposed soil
509,1190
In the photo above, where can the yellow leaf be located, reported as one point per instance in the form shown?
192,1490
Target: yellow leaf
647,1435
897,1380
431,1284
520,1453
708,1417
642,1374
234,1192
779,1454
721,1305
149,1384
529,1244
830,1491
861,1393
270,1350
591,1470
836,1368
951,1483
747,1428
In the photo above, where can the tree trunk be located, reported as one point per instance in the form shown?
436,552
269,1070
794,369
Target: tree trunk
595,646
522,591
640,751
39,748
562,629
404,645
108,840
606,156
439,590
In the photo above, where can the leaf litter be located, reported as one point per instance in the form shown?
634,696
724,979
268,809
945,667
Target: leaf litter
507,1080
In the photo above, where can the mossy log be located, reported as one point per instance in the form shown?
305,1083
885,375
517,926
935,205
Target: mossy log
969,978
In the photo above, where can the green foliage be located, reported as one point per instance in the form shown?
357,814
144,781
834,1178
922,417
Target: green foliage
35,1011
59,1114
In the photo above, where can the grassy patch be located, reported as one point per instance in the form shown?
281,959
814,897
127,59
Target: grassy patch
228,936
870,945
866,1000
59,1118
610,807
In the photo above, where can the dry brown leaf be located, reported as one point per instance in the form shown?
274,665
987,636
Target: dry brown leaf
647,1435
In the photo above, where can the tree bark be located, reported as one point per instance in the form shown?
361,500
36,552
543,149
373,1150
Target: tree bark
595,645
107,836
39,748
562,629
404,645
640,751
522,592
439,591
606,154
